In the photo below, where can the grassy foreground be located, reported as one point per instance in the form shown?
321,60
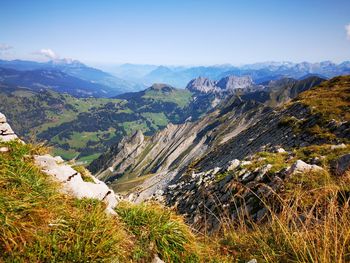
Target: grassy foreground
309,222
40,224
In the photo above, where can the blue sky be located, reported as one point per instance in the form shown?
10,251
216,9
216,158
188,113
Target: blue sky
178,32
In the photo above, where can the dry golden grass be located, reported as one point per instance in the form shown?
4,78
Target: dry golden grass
331,98
308,222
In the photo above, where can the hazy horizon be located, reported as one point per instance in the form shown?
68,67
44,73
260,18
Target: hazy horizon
176,32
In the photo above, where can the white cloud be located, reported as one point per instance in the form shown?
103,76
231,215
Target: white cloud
347,28
5,47
48,53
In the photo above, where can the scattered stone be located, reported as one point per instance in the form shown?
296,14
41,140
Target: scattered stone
233,164
338,146
216,170
299,167
243,163
159,192
340,165
4,149
172,187
252,261
263,171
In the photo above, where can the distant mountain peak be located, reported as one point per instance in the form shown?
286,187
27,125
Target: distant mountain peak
203,85
233,82
226,84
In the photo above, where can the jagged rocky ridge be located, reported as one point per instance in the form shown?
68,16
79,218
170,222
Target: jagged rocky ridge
71,180
230,84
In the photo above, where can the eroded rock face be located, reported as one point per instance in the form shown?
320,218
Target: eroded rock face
203,85
73,183
226,85
231,83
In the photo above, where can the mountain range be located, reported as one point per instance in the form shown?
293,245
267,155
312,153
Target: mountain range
179,76
64,75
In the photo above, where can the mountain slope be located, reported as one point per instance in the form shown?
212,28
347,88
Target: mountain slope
300,148
173,148
243,163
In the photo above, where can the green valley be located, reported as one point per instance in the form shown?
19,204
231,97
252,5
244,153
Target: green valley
82,128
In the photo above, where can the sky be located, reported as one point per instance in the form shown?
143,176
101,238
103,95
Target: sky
176,32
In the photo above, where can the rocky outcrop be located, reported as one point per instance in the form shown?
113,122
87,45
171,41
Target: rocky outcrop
71,181
211,198
287,127
301,167
6,132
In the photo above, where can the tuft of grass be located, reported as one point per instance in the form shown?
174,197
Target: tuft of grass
85,174
160,230
277,160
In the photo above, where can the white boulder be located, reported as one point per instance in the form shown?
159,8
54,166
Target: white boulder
6,132
74,184
300,167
